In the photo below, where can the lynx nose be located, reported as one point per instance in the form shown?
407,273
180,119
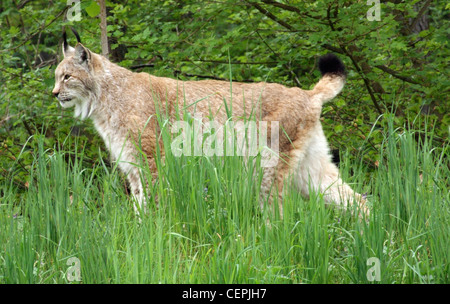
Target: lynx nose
55,93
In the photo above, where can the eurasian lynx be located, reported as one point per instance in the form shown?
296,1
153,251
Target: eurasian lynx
122,105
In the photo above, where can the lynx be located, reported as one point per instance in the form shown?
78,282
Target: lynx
122,105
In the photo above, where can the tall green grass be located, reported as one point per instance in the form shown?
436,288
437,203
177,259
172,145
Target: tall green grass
207,226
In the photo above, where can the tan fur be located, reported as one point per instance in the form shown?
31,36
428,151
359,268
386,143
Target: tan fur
122,105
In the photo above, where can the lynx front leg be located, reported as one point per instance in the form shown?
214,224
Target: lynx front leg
138,179
137,191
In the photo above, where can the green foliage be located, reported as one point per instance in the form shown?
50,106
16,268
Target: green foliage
392,68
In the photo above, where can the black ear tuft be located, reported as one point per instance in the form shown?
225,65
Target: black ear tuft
331,64
76,34
65,44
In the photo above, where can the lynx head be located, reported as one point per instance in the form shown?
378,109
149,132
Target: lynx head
75,82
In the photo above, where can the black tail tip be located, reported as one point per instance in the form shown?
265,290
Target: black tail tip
331,64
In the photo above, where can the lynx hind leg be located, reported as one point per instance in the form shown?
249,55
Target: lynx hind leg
270,190
316,172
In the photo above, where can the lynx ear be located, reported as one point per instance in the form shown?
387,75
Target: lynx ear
82,55
67,49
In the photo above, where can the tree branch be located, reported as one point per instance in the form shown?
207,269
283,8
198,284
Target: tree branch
362,72
396,74
22,4
361,66
232,62
290,8
178,72
271,16
419,15
41,28
140,66
380,67
283,6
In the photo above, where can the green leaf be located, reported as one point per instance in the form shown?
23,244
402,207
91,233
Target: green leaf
338,128
93,9
340,103
14,30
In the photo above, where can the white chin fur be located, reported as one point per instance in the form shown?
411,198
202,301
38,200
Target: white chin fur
67,104
83,109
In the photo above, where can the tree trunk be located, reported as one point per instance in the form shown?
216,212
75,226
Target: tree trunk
103,26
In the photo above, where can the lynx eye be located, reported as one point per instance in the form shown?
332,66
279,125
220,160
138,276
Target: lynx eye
67,76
